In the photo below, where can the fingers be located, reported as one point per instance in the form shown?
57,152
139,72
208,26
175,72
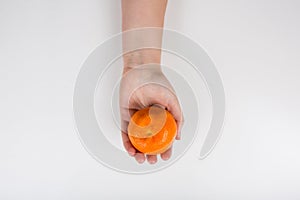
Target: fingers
179,127
127,144
175,110
152,159
139,157
125,118
167,154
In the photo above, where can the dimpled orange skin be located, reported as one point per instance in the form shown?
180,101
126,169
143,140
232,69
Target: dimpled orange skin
157,143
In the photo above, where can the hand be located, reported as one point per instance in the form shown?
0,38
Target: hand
141,87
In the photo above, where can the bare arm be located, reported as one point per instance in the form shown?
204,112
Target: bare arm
141,14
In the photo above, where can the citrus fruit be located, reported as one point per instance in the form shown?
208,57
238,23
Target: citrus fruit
152,130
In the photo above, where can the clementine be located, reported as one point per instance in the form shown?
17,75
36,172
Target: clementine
152,130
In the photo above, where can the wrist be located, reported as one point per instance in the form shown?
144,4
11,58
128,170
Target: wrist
141,57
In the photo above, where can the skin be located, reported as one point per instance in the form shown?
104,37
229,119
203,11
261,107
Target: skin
143,66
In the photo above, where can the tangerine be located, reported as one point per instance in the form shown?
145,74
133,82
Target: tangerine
152,130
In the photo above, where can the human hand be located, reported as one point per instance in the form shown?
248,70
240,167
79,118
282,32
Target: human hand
141,87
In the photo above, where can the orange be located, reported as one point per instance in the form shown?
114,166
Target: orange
152,130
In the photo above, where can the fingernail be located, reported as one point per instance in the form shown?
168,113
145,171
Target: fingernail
165,158
178,136
131,152
152,161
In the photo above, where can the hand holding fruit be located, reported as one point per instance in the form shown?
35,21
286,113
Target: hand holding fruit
141,88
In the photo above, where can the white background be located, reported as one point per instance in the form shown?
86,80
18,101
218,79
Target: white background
255,46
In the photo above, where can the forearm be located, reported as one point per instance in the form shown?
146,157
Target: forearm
137,14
